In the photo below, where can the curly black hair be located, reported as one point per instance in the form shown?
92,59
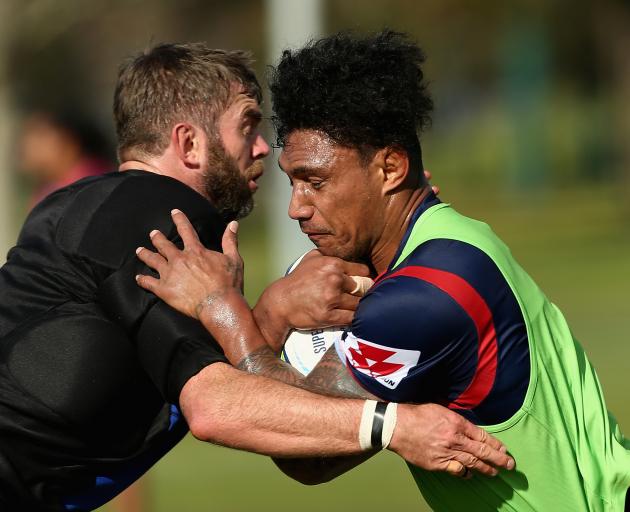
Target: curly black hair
364,92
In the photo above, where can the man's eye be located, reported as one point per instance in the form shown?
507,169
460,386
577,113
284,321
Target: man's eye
317,184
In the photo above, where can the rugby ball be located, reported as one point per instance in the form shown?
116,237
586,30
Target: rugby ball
303,349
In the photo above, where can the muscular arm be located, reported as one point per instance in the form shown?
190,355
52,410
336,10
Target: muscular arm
330,377
228,406
221,403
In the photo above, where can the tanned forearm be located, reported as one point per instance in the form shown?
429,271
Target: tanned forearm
270,321
319,470
221,403
330,377
264,361
247,350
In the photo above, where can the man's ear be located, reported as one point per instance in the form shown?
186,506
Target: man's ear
186,139
394,163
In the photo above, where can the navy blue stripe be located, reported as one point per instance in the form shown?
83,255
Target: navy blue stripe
408,313
478,269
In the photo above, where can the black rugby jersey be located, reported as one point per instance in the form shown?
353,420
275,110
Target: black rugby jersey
91,365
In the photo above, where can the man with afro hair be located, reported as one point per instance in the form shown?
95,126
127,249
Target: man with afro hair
451,318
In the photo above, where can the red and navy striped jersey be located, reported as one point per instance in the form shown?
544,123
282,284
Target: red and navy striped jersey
442,326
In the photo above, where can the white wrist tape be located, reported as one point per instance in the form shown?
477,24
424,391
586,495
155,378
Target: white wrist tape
378,422
389,424
365,429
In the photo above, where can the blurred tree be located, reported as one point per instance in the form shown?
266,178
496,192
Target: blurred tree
612,30
6,129
525,84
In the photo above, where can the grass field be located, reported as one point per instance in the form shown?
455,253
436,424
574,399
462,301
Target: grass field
576,244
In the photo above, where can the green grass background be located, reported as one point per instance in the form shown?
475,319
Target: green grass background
575,242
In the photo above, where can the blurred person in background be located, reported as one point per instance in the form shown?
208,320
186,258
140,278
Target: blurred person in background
101,379
59,148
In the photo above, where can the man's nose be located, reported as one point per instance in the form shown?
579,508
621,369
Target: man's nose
261,148
299,208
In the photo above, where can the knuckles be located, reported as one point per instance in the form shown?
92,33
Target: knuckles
472,461
335,281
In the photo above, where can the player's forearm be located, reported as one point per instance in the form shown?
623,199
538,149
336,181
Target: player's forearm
264,361
329,377
231,323
229,407
226,406
228,318
270,319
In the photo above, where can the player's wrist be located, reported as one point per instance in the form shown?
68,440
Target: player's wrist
378,422
271,317
216,306
400,440
228,318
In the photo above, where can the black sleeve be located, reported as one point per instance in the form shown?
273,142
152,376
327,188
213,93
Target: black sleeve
100,231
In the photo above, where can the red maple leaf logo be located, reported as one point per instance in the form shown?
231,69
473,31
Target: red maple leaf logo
373,359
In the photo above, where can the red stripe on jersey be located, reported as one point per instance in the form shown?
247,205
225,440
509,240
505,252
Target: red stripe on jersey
474,305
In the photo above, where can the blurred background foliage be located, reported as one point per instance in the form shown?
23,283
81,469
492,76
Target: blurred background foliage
531,133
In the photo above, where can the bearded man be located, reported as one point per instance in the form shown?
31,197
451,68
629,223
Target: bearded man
99,378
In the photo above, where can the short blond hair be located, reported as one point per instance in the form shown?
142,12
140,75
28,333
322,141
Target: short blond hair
173,83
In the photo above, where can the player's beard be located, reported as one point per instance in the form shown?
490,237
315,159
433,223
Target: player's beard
226,186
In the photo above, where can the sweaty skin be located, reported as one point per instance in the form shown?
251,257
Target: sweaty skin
319,152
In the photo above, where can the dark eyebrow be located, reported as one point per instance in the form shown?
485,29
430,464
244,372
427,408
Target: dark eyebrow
253,114
305,171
